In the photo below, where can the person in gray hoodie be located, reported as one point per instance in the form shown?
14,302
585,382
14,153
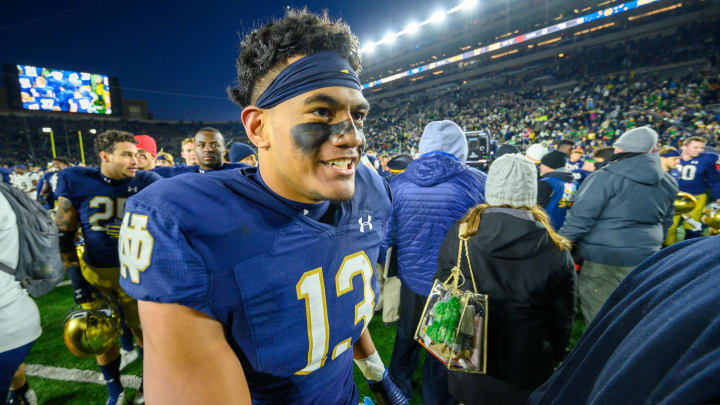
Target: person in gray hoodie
620,216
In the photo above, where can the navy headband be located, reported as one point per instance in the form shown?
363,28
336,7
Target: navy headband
671,153
312,72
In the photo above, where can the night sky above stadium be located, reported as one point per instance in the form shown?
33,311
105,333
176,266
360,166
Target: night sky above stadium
179,56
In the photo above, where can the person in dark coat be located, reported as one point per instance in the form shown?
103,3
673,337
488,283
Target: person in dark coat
527,271
656,339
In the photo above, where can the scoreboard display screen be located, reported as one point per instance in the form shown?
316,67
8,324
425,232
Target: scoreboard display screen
45,89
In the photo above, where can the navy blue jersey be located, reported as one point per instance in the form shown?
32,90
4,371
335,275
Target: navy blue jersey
576,169
5,174
699,174
51,178
99,201
172,171
294,293
654,341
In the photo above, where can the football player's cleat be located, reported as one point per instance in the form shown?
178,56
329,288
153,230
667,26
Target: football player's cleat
29,398
711,216
91,328
127,357
120,400
684,203
386,392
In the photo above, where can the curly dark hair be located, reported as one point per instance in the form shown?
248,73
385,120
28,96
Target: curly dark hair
265,50
105,142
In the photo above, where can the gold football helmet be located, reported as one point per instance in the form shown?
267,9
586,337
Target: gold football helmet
91,328
684,203
711,216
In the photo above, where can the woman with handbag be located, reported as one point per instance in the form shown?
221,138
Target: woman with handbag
526,269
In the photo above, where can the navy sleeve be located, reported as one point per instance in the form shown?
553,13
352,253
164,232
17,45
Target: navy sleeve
713,178
64,179
157,261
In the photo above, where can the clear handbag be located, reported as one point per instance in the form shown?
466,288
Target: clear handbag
453,326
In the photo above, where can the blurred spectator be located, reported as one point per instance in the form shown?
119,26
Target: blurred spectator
243,153
434,191
188,151
655,341
164,159
146,152
526,269
614,228
536,152
602,155
557,187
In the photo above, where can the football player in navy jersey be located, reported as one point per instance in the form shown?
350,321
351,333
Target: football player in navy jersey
271,268
94,200
697,174
209,148
48,183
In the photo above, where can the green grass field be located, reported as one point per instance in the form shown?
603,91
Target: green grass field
49,350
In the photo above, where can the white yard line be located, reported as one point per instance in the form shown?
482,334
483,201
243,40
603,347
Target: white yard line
77,375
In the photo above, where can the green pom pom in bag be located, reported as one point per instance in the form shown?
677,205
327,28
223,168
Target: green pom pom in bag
453,326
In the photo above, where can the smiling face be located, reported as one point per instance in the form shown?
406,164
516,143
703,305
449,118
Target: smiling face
310,145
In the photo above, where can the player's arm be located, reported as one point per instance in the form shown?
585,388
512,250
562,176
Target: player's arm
66,220
188,359
713,180
368,361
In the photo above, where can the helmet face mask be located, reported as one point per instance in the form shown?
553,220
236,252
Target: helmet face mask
92,328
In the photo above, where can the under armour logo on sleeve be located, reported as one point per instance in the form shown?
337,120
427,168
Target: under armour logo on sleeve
364,224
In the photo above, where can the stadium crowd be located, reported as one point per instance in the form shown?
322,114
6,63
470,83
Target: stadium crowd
579,202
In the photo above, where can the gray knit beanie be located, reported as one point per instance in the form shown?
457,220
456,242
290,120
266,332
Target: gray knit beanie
639,140
512,180
444,136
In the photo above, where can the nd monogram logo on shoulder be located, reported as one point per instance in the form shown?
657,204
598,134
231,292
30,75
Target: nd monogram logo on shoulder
364,224
135,246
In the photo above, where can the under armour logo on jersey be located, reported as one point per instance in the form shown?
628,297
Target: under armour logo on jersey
132,189
364,224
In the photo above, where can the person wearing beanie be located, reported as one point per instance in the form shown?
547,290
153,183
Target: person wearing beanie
526,269
535,152
620,217
435,190
146,152
556,188
243,153
164,159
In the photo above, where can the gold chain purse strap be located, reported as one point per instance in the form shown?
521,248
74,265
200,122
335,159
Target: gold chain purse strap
452,281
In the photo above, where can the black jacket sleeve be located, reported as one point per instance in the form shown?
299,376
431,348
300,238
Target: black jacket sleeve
544,193
561,309
447,255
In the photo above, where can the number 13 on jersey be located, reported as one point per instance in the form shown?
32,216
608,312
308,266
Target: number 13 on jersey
311,289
